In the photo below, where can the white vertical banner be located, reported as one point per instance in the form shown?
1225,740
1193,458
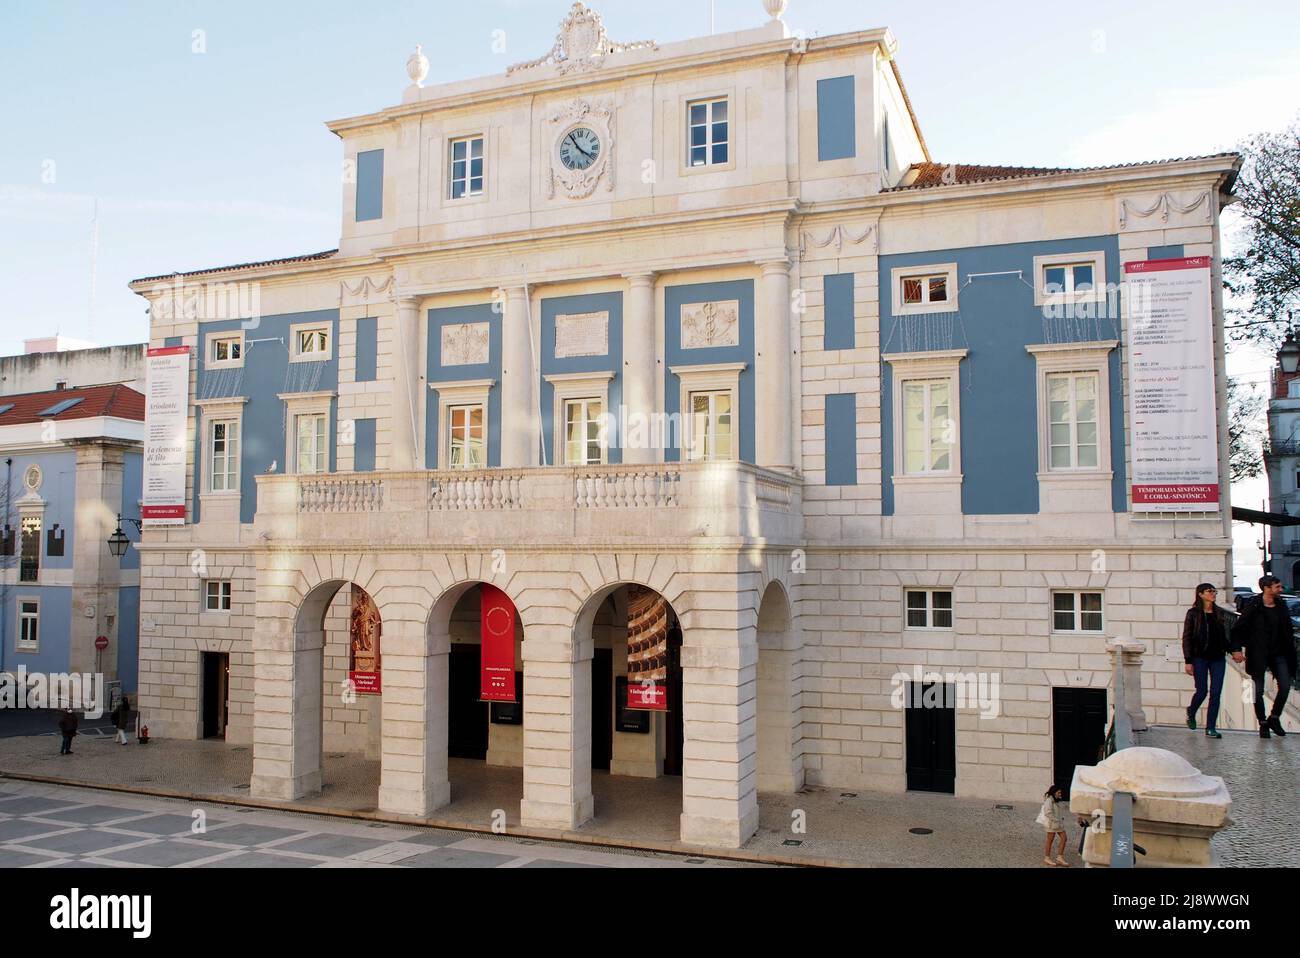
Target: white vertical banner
167,394
1173,415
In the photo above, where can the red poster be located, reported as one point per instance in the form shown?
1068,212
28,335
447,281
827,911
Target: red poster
647,650
497,632
366,632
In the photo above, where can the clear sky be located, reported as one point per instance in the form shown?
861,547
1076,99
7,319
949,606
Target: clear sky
210,149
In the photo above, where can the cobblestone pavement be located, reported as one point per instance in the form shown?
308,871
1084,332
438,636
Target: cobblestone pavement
56,826
1263,778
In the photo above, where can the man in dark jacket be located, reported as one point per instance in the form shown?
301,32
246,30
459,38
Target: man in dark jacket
1264,631
68,726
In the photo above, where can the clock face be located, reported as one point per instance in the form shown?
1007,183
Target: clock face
580,148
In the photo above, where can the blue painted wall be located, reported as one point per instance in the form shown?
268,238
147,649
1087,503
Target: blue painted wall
841,440
837,130
675,297
612,362
54,628
58,489
132,489
363,454
128,636
367,350
839,330
996,319
370,185
455,316
266,374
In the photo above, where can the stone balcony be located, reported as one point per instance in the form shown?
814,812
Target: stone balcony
592,504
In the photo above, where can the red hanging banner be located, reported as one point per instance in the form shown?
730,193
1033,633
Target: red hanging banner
647,650
497,633
366,632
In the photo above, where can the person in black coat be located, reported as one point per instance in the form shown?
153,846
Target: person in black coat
1265,633
1205,645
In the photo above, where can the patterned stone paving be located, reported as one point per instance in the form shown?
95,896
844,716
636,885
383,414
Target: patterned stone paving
1263,777
56,826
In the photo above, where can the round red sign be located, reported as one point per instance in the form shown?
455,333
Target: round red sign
101,642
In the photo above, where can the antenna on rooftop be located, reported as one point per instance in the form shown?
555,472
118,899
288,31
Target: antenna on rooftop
94,268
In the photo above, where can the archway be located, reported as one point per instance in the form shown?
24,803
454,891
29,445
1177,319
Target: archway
779,699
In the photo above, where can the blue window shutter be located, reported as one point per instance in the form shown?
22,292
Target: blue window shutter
842,440
370,185
837,130
367,350
837,293
363,456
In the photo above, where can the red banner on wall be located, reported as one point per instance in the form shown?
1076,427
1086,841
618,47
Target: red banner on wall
647,650
366,632
497,633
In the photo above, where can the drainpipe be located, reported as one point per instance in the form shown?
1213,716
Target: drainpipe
4,586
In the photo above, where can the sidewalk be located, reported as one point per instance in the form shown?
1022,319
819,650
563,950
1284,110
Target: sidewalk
865,829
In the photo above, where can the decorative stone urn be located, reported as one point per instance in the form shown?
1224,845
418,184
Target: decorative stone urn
417,66
1176,809
775,8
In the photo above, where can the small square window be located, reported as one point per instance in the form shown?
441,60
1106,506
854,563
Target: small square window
311,343
925,289
1077,612
226,350
929,609
218,595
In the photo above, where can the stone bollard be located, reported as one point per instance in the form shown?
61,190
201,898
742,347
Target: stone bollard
1130,652
1176,809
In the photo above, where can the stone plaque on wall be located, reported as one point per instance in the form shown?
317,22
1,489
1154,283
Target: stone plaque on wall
465,345
705,325
581,334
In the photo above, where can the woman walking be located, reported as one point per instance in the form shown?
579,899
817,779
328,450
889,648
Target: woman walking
1052,817
1205,645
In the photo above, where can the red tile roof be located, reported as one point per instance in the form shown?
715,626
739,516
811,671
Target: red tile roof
121,402
924,176
305,258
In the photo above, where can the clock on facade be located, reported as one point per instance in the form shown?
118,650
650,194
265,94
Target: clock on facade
579,148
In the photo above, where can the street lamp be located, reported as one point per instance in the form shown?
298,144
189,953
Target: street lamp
118,543
1289,354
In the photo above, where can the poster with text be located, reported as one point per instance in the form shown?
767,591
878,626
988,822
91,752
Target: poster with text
365,632
647,650
497,655
1173,416
167,377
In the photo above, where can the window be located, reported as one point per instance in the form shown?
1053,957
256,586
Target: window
467,445
466,167
924,289
710,425
929,609
224,455
836,118
29,625
225,351
927,427
884,140
1072,427
29,563
1069,278
709,132
583,421
312,437
1076,612
311,343
370,185
217,598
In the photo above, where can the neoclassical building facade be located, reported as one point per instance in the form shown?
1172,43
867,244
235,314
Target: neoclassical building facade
700,318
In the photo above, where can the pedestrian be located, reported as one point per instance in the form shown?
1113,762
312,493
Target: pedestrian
1265,633
1052,818
1205,644
68,726
122,719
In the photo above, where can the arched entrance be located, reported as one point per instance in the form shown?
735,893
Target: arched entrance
780,705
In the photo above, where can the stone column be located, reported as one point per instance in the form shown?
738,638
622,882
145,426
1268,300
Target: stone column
96,572
287,686
519,443
720,765
1176,809
406,396
413,776
1129,653
772,362
640,366
557,728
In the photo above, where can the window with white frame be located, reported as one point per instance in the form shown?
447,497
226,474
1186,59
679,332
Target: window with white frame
1069,277
311,343
311,433
710,426
226,350
29,554
217,595
1076,612
583,425
928,426
1072,423
29,625
223,455
929,609
924,289
466,168
709,131
467,436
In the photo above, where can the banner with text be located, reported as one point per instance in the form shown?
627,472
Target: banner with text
366,633
1173,416
167,377
647,650
497,633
